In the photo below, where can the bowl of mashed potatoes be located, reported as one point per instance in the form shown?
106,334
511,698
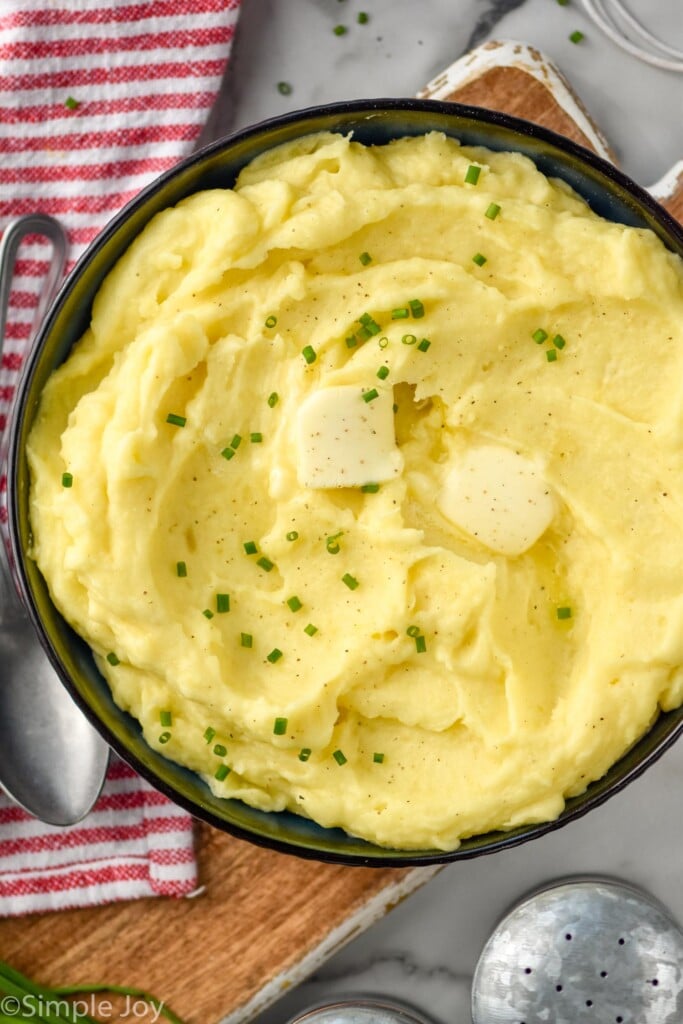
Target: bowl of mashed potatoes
346,484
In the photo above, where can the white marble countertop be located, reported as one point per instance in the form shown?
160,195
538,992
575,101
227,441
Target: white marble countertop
426,949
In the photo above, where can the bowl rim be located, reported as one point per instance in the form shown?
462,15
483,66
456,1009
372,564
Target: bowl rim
643,202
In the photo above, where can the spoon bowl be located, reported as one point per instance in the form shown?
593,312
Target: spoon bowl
52,761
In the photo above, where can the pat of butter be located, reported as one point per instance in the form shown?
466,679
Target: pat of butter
499,497
344,441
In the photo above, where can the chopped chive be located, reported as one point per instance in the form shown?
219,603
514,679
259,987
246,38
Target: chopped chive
274,655
416,308
492,211
250,547
310,629
402,313
340,30
479,259
207,613
563,3
256,437
332,544
369,323
350,581
292,535
209,734
420,644
378,758
339,757
236,441
365,258
409,339
564,612
364,333
551,355
273,399
309,354
424,345
280,726
164,737
294,604
351,341
222,603
370,488
284,88
265,563
558,341
383,372
371,395
67,479
71,104
576,36
113,659
395,407
271,321
246,640
472,175
363,18
165,719
539,336
228,453
222,772
413,631
383,341
219,750
181,569
177,421
304,753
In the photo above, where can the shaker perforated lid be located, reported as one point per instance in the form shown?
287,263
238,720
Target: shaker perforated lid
584,950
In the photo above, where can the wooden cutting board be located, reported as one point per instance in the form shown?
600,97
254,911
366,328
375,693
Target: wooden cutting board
263,921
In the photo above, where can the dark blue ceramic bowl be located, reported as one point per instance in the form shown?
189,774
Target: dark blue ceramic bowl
610,194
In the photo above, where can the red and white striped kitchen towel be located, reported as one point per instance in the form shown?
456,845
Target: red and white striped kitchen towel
96,99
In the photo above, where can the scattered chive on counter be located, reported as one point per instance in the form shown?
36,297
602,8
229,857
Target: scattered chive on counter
284,88
340,30
363,18
71,104
577,36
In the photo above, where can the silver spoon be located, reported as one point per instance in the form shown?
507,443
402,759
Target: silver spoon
52,761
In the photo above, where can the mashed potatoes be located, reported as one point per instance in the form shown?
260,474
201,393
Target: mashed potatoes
365,485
